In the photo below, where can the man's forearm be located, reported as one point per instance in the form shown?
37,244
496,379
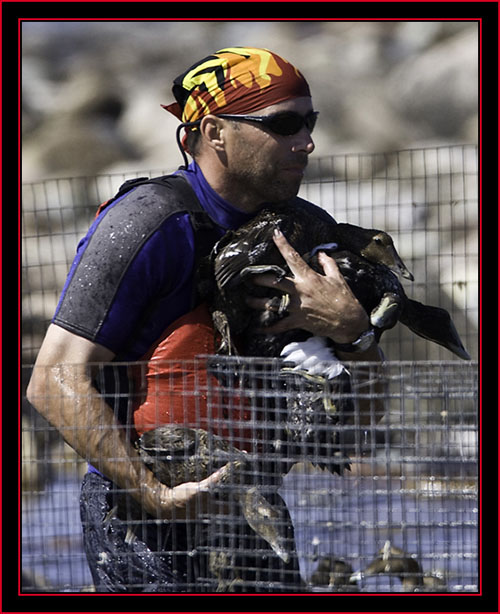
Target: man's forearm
65,396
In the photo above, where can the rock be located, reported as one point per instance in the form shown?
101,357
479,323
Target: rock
92,91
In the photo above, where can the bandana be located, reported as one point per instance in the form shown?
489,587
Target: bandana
236,80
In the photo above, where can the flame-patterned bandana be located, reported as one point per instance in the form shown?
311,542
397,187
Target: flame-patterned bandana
235,80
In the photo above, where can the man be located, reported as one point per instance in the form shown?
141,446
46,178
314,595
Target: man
133,277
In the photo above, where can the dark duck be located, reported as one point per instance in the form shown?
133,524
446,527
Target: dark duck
178,454
393,561
366,258
312,407
333,575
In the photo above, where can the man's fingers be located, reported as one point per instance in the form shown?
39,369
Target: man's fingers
269,281
206,484
298,266
329,265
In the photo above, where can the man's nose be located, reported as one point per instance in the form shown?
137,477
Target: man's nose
303,141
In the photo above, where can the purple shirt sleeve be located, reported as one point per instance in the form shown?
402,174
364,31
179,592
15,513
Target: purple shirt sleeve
131,277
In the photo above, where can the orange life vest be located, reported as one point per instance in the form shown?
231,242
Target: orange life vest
173,386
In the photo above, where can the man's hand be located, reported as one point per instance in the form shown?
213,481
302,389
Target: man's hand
321,304
186,500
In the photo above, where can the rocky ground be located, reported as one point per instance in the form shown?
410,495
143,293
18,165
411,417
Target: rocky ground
92,90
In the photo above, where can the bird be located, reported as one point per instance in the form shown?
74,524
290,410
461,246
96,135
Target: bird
367,258
222,566
335,575
311,396
306,413
384,298
177,454
394,561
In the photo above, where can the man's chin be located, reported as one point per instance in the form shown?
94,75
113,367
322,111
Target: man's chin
284,190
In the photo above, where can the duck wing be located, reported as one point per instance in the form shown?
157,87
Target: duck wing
434,324
252,244
267,520
369,282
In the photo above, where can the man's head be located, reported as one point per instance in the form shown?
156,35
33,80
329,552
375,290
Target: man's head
248,117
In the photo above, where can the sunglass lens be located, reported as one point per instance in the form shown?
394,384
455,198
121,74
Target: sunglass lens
287,124
310,121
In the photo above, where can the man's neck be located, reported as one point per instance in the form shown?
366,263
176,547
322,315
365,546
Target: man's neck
219,182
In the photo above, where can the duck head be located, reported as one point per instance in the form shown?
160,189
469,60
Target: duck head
381,249
374,245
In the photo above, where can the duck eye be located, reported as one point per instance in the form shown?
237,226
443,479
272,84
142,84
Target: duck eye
378,240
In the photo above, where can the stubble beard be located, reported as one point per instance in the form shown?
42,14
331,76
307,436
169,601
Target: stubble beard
268,186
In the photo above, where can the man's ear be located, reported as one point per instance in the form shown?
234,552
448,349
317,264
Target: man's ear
212,130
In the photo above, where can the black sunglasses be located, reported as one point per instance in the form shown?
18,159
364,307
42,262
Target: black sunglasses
284,123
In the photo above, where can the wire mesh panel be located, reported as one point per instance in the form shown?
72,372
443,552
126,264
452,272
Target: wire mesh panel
364,483
427,199
367,483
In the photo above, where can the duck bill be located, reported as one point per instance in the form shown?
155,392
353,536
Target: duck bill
404,272
399,267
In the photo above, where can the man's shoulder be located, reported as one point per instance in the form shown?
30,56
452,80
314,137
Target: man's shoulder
312,209
152,199
174,188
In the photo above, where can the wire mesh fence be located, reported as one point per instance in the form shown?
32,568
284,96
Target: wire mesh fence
405,515
354,484
426,199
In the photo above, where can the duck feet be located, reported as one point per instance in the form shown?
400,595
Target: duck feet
257,269
221,325
386,313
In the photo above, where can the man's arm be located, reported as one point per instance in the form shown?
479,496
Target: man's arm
61,390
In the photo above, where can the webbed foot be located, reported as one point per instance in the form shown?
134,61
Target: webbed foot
221,325
386,313
259,269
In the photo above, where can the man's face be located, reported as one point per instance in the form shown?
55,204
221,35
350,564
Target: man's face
267,166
